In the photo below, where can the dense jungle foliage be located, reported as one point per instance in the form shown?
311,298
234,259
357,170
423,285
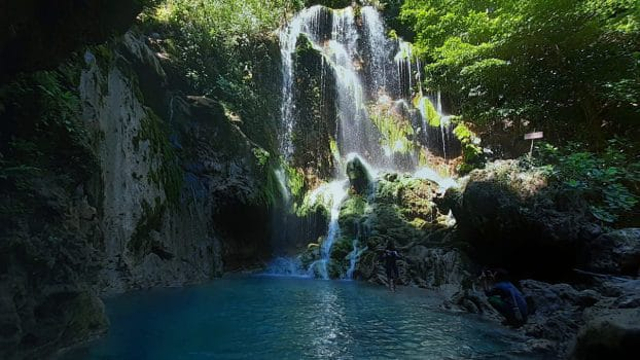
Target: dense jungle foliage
570,66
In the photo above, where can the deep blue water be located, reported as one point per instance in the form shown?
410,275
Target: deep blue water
287,318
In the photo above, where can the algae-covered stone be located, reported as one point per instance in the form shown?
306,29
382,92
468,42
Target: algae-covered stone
358,175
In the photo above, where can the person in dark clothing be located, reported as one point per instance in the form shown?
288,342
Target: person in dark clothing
506,298
389,256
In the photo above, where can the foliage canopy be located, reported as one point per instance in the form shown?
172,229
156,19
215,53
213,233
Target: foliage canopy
568,65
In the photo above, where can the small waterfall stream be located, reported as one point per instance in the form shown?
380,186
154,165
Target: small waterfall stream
307,22
335,192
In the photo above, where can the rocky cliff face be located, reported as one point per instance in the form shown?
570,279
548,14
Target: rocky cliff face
174,192
148,236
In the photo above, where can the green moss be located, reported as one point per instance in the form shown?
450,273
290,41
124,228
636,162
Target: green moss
339,251
395,131
306,208
271,190
261,155
151,219
335,151
472,156
296,182
352,214
104,55
430,110
169,174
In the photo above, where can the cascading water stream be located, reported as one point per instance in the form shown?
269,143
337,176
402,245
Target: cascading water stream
444,124
404,66
307,22
377,43
336,191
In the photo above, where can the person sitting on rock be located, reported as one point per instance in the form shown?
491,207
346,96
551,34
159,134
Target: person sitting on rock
506,298
389,256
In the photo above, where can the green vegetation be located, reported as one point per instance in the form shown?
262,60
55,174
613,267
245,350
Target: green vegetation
296,183
41,132
226,50
169,173
429,109
395,131
471,151
609,181
571,66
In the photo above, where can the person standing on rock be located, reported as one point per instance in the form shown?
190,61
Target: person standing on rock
506,298
389,256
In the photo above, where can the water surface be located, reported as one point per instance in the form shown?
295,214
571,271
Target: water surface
287,318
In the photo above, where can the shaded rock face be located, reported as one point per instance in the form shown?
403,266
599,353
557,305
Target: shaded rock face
513,221
163,190
556,312
46,278
616,252
188,183
609,334
148,239
570,321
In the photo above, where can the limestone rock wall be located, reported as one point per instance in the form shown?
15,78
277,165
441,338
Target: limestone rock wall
127,181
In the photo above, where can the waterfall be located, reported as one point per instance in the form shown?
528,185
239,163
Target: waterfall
307,22
444,124
375,111
376,46
404,67
336,192
361,58
357,251
282,184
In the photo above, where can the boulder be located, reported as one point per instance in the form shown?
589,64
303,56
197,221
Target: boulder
616,252
358,174
513,220
609,334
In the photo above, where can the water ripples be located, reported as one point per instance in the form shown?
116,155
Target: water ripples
280,318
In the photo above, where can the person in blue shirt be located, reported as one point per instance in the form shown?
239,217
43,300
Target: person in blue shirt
506,298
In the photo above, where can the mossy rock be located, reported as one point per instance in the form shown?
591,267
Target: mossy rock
358,175
342,247
351,214
315,115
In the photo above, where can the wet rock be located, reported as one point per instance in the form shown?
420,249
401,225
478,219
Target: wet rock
315,117
435,267
473,301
